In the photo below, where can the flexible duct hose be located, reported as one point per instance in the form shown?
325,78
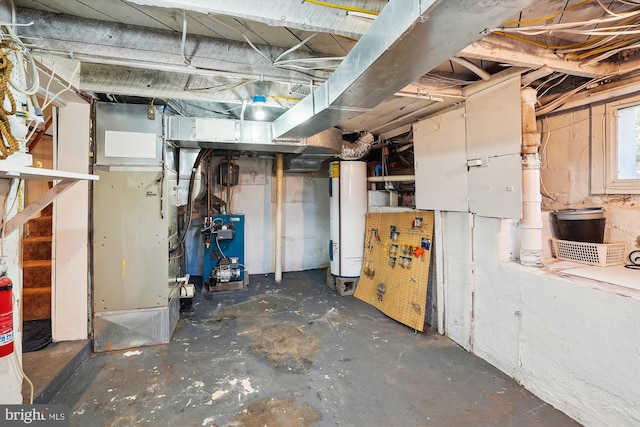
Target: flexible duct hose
185,228
357,149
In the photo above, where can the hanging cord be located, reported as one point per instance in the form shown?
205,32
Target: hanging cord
10,144
634,259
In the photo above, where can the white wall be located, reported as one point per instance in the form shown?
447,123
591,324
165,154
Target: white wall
566,174
305,216
575,346
571,342
70,228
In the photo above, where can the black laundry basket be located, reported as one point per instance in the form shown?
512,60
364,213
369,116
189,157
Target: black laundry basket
579,225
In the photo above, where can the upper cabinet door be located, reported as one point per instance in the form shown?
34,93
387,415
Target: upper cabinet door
494,121
494,135
441,162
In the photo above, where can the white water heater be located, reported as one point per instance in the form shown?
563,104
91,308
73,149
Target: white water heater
347,217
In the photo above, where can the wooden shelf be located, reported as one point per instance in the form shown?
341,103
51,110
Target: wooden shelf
8,170
65,180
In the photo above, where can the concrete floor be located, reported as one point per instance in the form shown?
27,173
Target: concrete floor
297,354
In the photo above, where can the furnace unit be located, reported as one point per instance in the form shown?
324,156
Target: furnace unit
223,266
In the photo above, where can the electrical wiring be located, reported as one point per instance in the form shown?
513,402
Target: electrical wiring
22,55
342,7
546,18
560,100
294,48
278,62
621,32
569,25
451,82
63,90
611,53
219,88
184,37
241,34
553,85
544,191
606,9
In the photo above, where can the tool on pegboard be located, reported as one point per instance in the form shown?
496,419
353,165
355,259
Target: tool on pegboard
425,243
381,291
368,271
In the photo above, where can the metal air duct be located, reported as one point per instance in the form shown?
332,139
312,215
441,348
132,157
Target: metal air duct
405,41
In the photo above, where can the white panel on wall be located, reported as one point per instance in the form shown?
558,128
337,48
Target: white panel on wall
493,121
457,276
495,189
441,162
139,145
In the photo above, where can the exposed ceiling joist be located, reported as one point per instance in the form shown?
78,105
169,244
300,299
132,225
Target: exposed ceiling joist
513,52
300,15
100,41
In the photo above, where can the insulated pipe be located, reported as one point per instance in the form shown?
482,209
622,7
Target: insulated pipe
279,197
531,222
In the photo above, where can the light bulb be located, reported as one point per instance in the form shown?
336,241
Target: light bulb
260,113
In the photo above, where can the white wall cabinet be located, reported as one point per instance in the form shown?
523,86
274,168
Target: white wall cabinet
468,159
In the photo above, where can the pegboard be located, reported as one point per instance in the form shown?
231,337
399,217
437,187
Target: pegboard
395,270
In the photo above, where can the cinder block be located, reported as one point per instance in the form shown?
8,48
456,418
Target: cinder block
331,280
346,285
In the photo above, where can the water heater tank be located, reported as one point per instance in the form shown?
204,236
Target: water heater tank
347,217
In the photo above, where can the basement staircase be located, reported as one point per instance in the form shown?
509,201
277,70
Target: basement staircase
36,267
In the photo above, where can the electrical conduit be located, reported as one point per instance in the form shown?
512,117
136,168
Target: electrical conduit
531,222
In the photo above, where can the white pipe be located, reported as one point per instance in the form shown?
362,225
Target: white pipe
184,279
531,222
279,197
471,67
391,178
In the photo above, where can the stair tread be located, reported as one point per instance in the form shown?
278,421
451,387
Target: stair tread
36,291
36,263
38,239
42,218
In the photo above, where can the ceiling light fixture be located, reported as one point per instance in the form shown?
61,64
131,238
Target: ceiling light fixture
260,101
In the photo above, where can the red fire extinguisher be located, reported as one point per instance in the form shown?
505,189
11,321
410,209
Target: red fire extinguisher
6,317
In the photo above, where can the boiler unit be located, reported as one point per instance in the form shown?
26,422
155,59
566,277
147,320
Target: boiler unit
347,217
223,264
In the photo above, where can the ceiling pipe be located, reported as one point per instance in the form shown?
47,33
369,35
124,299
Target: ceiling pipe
279,209
531,222
392,178
471,67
